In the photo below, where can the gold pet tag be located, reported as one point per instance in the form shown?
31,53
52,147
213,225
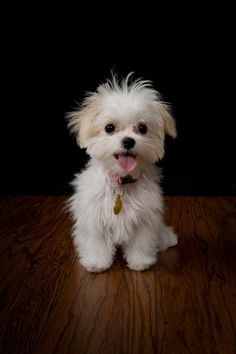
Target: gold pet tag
118,205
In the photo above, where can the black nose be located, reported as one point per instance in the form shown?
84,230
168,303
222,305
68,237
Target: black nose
128,143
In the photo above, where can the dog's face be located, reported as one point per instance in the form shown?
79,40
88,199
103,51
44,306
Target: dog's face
123,126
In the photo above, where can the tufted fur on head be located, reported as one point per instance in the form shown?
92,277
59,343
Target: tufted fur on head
121,101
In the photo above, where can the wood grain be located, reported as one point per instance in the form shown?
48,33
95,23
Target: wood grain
50,304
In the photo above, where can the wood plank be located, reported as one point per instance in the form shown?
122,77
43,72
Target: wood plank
50,304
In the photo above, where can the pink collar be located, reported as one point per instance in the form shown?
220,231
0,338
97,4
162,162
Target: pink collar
122,180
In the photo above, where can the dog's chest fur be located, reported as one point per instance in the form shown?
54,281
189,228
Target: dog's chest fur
95,198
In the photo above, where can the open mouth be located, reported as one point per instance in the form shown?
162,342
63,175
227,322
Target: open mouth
127,161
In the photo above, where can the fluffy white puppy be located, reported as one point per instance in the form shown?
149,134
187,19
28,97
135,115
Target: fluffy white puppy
117,199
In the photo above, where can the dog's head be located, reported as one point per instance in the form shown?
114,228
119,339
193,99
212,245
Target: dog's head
123,124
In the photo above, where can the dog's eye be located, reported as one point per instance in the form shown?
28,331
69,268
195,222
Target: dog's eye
142,128
109,128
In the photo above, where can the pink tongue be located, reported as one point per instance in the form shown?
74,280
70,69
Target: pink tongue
128,163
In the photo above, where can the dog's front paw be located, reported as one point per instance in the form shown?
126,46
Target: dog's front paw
94,265
142,264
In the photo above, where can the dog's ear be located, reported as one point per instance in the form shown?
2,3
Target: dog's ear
163,113
81,121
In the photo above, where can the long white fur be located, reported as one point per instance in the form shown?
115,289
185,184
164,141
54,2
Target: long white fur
139,227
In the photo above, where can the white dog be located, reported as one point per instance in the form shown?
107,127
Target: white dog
117,199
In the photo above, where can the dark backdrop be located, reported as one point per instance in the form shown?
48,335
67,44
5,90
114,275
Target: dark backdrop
47,70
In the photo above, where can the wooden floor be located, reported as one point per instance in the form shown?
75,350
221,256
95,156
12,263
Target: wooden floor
50,304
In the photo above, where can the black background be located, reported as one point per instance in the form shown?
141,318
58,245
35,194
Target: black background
51,59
